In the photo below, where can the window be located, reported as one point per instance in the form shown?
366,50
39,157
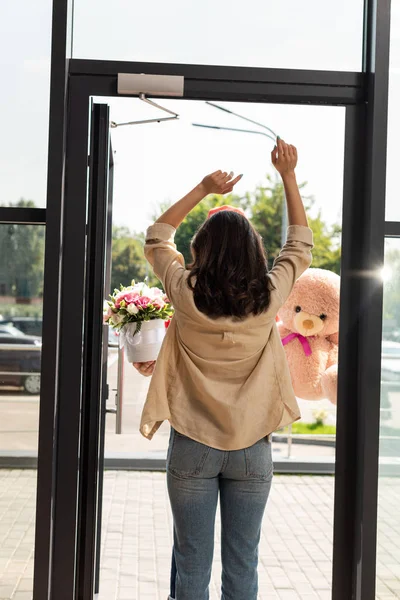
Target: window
25,37
388,553
287,34
21,266
392,188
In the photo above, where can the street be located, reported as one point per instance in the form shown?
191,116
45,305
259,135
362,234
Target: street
19,415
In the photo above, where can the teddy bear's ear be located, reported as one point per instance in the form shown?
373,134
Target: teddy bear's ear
334,338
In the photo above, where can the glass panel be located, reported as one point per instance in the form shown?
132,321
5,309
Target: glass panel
392,203
21,298
258,34
388,554
154,165
25,37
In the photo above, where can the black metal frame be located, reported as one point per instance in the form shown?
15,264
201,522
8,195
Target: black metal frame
92,376
364,228
105,387
240,84
23,216
392,229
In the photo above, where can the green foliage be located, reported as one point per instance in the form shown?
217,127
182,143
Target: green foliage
128,261
311,428
264,207
327,250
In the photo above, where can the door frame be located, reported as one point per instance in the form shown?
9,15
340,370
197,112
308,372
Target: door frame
365,97
95,352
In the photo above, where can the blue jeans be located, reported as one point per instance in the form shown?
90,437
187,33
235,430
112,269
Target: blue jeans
196,474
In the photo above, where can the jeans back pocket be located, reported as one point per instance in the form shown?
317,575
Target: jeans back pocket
186,457
258,459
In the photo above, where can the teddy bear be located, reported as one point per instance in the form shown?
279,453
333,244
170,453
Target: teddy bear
308,326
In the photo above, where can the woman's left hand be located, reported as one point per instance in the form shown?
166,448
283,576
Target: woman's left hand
219,182
145,368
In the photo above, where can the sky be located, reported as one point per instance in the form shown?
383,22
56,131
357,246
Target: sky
159,162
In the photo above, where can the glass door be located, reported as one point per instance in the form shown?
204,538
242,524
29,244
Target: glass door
213,139
95,353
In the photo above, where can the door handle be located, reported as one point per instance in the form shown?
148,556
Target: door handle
119,392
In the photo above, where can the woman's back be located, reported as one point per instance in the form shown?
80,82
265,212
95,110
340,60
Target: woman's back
222,381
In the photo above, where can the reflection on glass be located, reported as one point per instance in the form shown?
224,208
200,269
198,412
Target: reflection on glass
180,155
392,203
257,34
21,298
388,554
25,45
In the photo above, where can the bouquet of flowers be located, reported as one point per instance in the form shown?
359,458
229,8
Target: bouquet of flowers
139,313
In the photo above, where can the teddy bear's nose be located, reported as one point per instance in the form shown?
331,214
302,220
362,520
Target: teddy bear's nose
308,324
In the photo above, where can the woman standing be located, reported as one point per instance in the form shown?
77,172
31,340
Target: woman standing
221,379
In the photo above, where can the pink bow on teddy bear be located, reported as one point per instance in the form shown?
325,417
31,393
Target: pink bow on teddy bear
309,326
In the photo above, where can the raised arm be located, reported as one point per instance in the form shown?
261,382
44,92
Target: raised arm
295,256
284,159
216,183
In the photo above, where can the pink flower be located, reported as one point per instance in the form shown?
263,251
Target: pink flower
127,296
143,302
120,296
131,297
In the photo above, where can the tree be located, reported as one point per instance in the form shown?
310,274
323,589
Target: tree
327,249
128,261
264,207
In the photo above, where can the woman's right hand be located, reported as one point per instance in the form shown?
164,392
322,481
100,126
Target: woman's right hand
145,368
284,157
219,182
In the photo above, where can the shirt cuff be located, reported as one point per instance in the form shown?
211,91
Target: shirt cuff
300,233
160,231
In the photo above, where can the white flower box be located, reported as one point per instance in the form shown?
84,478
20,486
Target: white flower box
146,343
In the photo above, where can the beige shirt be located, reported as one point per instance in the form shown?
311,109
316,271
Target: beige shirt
222,382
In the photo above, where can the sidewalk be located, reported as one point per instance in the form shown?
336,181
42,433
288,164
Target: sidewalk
295,548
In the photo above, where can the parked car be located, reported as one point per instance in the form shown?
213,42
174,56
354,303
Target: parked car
28,325
113,338
20,357
390,368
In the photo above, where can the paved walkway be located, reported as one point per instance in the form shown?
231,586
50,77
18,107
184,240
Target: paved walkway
295,549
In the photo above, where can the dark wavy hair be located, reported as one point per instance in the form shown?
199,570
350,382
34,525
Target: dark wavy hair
229,267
